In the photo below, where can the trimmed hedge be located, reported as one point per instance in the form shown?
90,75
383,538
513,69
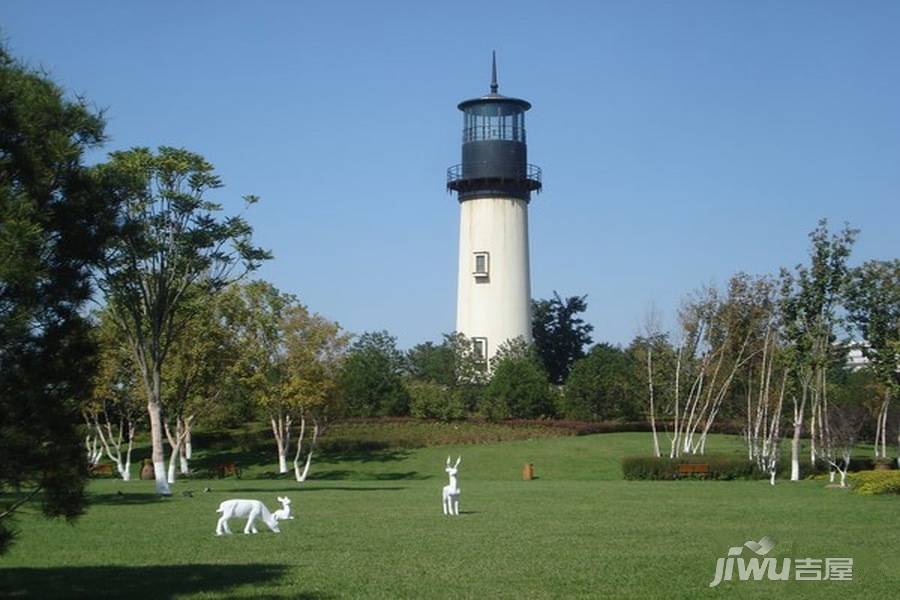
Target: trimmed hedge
725,467
873,483
666,469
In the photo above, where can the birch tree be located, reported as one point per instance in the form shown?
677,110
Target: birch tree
873,306
314,348
195,376
112,412
287,364
717,341
255,314
836,448
653,352
171,240
809,298
765,403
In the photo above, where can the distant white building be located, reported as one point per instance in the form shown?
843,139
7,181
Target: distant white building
856,360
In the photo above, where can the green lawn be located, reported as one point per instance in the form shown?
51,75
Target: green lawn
373,528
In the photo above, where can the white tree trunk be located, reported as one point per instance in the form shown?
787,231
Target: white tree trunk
799,409
881,430
174,450
113,441
813,429
94,452
299,475
156,438
184,456
171,473
795,454
652,405
126,476
188,446
281,429
175,443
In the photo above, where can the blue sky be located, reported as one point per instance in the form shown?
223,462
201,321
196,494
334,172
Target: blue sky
680,141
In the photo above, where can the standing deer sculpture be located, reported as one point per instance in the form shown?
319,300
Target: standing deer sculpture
450,494
245,508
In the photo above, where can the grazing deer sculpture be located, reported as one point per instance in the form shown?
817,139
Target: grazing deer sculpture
283,513
245,508
450,495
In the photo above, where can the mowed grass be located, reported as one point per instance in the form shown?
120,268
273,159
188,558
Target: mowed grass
375,529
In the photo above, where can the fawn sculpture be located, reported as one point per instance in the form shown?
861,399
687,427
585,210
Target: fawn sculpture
450,495
283,513
245,508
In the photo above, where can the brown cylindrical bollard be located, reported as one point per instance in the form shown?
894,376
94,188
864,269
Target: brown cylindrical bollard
528,472
147,469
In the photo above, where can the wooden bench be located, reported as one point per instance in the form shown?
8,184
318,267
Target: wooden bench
105,469
686,470
224,470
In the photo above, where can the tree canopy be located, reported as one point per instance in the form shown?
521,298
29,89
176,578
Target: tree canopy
172,243
371,376
560,335
604,385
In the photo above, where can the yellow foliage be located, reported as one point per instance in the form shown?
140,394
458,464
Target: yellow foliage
871,483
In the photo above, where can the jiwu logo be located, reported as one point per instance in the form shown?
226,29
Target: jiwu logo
756,569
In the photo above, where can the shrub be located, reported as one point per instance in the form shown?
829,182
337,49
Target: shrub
720,467
429,400
370,377
873,483
602,386
518,388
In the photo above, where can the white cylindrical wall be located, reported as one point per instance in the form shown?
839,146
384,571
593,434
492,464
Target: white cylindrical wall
497,308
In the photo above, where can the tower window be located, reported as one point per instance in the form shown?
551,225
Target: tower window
482,264
479,346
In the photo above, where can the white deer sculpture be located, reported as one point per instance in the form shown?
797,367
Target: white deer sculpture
450,495
283,513
245,508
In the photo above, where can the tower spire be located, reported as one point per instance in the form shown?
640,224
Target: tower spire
494,85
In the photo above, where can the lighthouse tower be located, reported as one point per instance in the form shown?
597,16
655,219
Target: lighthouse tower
494,183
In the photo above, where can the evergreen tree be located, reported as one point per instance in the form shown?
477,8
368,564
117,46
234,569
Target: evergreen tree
560,335
53,228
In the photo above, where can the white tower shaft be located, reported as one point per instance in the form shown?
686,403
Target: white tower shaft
494,285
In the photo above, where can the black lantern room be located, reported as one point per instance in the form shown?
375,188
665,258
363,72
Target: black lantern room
494,152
